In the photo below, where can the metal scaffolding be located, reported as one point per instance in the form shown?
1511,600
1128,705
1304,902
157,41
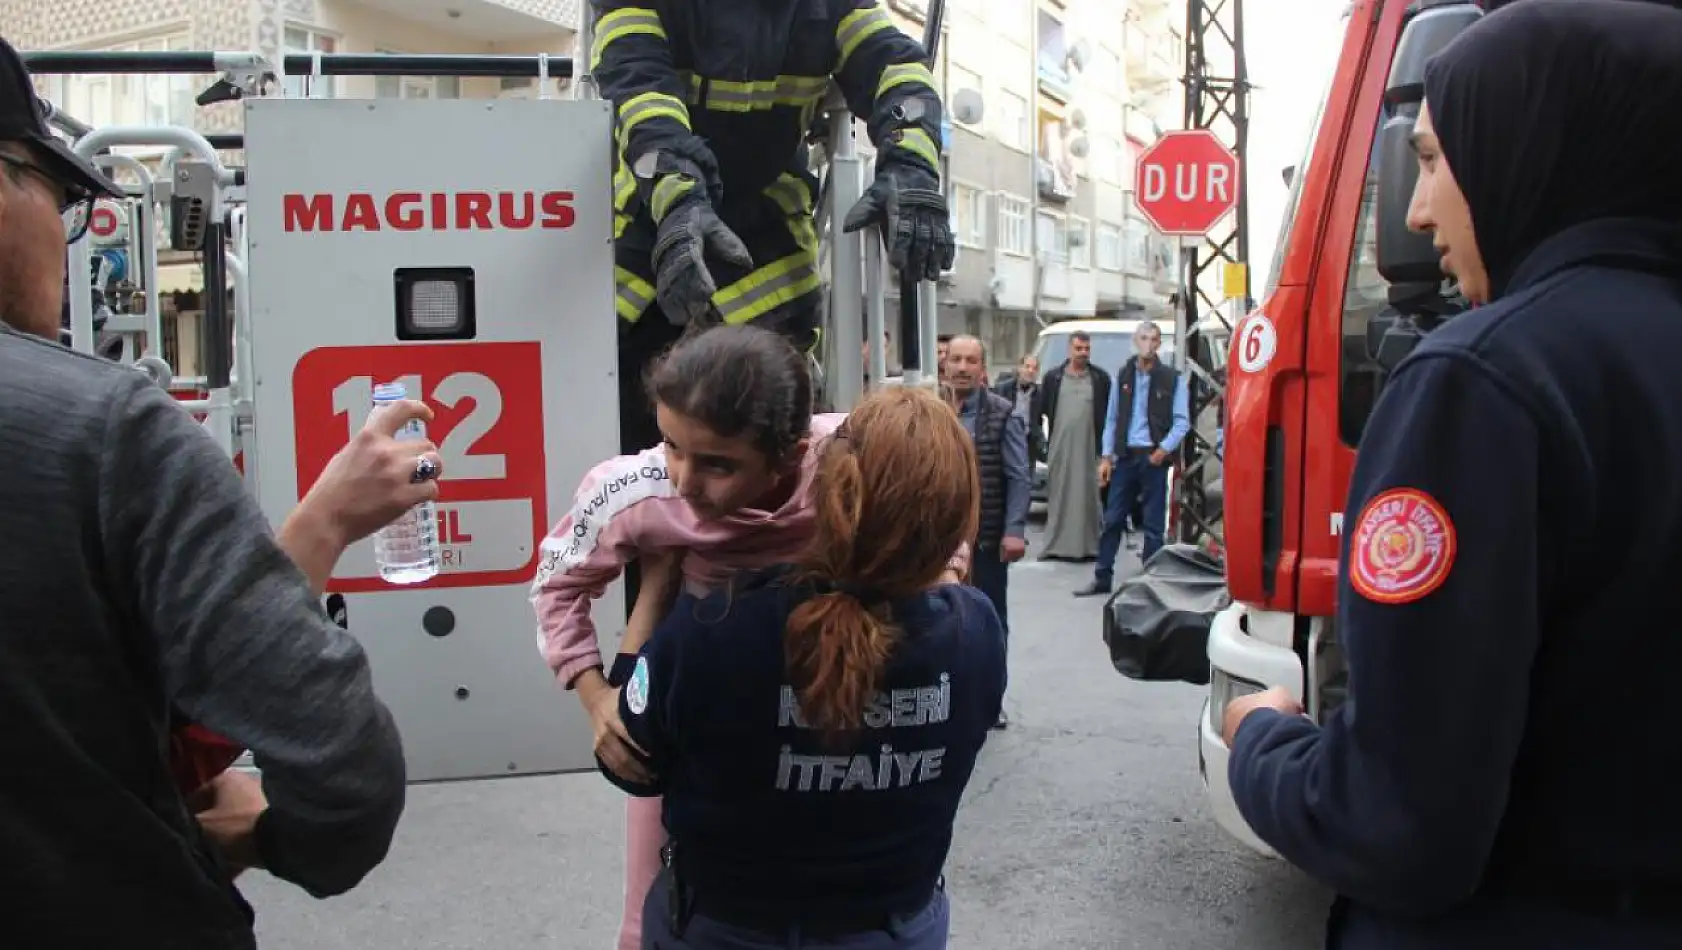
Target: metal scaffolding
1217,98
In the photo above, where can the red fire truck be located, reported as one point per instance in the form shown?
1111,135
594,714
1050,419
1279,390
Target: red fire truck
1351,290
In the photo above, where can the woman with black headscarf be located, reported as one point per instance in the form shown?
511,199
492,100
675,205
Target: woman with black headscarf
1505,772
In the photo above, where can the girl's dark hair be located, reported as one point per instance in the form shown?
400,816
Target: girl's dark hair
738,380
897,493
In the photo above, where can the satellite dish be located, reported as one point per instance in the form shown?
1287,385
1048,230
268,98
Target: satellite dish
1077,120
1080,54
1078,147
967,106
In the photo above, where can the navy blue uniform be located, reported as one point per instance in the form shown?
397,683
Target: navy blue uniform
1506,764
771,827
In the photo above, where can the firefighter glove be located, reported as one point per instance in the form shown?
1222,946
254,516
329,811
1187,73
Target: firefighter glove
906,202
689,229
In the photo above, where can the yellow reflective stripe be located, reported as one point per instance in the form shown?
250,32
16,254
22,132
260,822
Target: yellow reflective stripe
618,24
667,191
899,74
624,187
620,223
856,27
918,143
791,196
724,95
634,294
650,105
769,287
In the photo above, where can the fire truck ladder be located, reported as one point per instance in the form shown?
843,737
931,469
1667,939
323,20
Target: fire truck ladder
206,195
1217,98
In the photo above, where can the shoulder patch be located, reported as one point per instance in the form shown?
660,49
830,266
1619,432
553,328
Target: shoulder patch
636,688
1403,547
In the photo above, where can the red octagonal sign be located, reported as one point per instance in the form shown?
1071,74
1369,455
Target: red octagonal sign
1186,182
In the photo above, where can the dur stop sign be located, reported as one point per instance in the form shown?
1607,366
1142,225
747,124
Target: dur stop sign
1186,182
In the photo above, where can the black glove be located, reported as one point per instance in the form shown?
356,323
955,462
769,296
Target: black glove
906,202
688,228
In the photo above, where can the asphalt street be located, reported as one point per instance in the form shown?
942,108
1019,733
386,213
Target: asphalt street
1084,829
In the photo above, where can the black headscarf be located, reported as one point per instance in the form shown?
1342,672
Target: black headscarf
1551,113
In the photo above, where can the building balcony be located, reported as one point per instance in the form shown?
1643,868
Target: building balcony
517,23
1053,183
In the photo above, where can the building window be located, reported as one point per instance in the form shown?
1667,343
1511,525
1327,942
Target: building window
419,87
957,78
969,206
131,99
1013,224
1053,239
1013,121
300,39
1080,243
1138,245
1109,247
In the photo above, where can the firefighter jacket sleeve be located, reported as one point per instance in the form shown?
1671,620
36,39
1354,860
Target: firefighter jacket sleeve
882,74
632,65
242,646
1396,800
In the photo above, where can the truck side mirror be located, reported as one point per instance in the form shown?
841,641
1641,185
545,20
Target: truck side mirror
1405,257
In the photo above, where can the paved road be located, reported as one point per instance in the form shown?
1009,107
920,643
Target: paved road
1084,829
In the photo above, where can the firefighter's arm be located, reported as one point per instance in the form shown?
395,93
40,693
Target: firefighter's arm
612,518
1397,800
631,60
241,644
882,75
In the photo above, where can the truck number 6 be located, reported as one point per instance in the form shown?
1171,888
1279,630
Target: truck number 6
354,398
1256,344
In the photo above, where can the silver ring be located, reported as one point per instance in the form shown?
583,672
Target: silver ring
425,470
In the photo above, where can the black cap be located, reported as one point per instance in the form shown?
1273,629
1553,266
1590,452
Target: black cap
23,118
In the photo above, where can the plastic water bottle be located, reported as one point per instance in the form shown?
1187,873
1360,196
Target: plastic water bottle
407,550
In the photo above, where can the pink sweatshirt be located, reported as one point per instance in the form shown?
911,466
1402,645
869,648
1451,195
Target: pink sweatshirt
626,506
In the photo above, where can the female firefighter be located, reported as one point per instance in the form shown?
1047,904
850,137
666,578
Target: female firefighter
812,726
730,488
713,196
1503,772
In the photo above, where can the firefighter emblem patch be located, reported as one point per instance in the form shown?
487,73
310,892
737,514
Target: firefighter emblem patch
636,689
1403,547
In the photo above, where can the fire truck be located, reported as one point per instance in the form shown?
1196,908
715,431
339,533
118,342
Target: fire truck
464,248
1351,292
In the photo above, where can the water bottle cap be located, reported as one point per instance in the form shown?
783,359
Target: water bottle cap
390,392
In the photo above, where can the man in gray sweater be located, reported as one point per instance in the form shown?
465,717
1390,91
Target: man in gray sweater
140,583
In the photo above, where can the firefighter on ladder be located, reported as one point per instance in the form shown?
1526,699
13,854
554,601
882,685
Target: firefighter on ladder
713,198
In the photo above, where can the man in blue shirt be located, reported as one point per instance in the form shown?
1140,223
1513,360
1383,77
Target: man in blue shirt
1001,448
1137,449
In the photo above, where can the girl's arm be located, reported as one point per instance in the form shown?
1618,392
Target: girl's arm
621,508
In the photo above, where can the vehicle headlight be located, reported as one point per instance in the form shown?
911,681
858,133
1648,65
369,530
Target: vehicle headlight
1223,689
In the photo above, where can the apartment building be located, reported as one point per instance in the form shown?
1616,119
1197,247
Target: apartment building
1041,186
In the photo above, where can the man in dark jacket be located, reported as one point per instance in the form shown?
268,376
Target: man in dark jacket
713,197
1001,448
144,581
1022,387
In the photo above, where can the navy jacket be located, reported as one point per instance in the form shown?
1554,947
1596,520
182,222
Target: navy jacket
761,811
1509,608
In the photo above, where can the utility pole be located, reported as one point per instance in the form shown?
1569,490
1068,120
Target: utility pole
1217,89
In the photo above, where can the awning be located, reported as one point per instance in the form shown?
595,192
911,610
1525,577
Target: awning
176,278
